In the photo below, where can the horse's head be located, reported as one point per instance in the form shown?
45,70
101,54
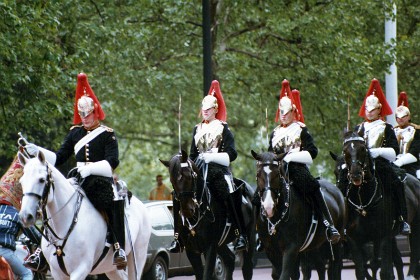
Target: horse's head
270,180
183,176
34,181
356,157
340,171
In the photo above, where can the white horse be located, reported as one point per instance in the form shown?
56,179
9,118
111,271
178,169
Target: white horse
75,230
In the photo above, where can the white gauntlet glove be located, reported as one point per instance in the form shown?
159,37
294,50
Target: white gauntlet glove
299,157
219,158
100,168
386,153
33,150
405,159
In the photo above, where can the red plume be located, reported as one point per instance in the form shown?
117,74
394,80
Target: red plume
83,88
216,92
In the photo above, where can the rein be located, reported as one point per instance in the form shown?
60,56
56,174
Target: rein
193,194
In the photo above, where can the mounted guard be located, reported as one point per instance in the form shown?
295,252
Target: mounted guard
95,147
212,149
408,137
383,146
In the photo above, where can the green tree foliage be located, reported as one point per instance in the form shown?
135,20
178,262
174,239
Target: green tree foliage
143,57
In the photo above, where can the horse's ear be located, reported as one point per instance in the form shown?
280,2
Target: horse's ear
255,155
333,156
280,156
184,156
41,157
164,162
22,159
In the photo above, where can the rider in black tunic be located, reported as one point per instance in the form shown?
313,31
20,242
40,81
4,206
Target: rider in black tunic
292,137
96,150
408,137
213,145
383,146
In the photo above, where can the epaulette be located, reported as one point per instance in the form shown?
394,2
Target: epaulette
107,128
416,126
74,126
301,124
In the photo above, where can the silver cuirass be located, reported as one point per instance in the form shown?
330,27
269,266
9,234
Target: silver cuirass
404,136
286,138
208,135
374,133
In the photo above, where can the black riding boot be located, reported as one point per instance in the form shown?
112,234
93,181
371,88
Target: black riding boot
333,235
176,246
238,219
118,229
401,208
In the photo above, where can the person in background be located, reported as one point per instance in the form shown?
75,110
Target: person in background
408,137
383,146
95,147
161,191
213,146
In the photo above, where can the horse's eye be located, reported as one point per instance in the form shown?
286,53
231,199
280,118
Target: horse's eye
42,180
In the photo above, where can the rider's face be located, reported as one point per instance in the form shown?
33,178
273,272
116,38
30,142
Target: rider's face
372,115
209,114
403,121
287,118
89,120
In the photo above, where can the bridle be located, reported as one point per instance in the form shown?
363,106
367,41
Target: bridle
359,207
193,194
354,161
277,193
43,199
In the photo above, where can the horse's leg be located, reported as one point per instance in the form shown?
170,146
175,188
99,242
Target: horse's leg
305,265
196,263
358,259
275,257
335,261
290,262
209,262
228,259
248,255
387,272
397,260
414,239
375,263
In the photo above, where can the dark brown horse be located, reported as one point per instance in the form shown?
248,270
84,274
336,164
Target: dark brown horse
371,208
412,195
288,224
206,230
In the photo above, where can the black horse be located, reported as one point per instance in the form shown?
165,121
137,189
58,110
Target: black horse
207,229
412,194
288,226
371,207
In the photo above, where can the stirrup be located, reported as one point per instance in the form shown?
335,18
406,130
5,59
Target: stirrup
241,243
120,259
33,262
405,228
175,247
260,246
333,235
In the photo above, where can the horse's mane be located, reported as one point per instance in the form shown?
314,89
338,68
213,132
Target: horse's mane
175,164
